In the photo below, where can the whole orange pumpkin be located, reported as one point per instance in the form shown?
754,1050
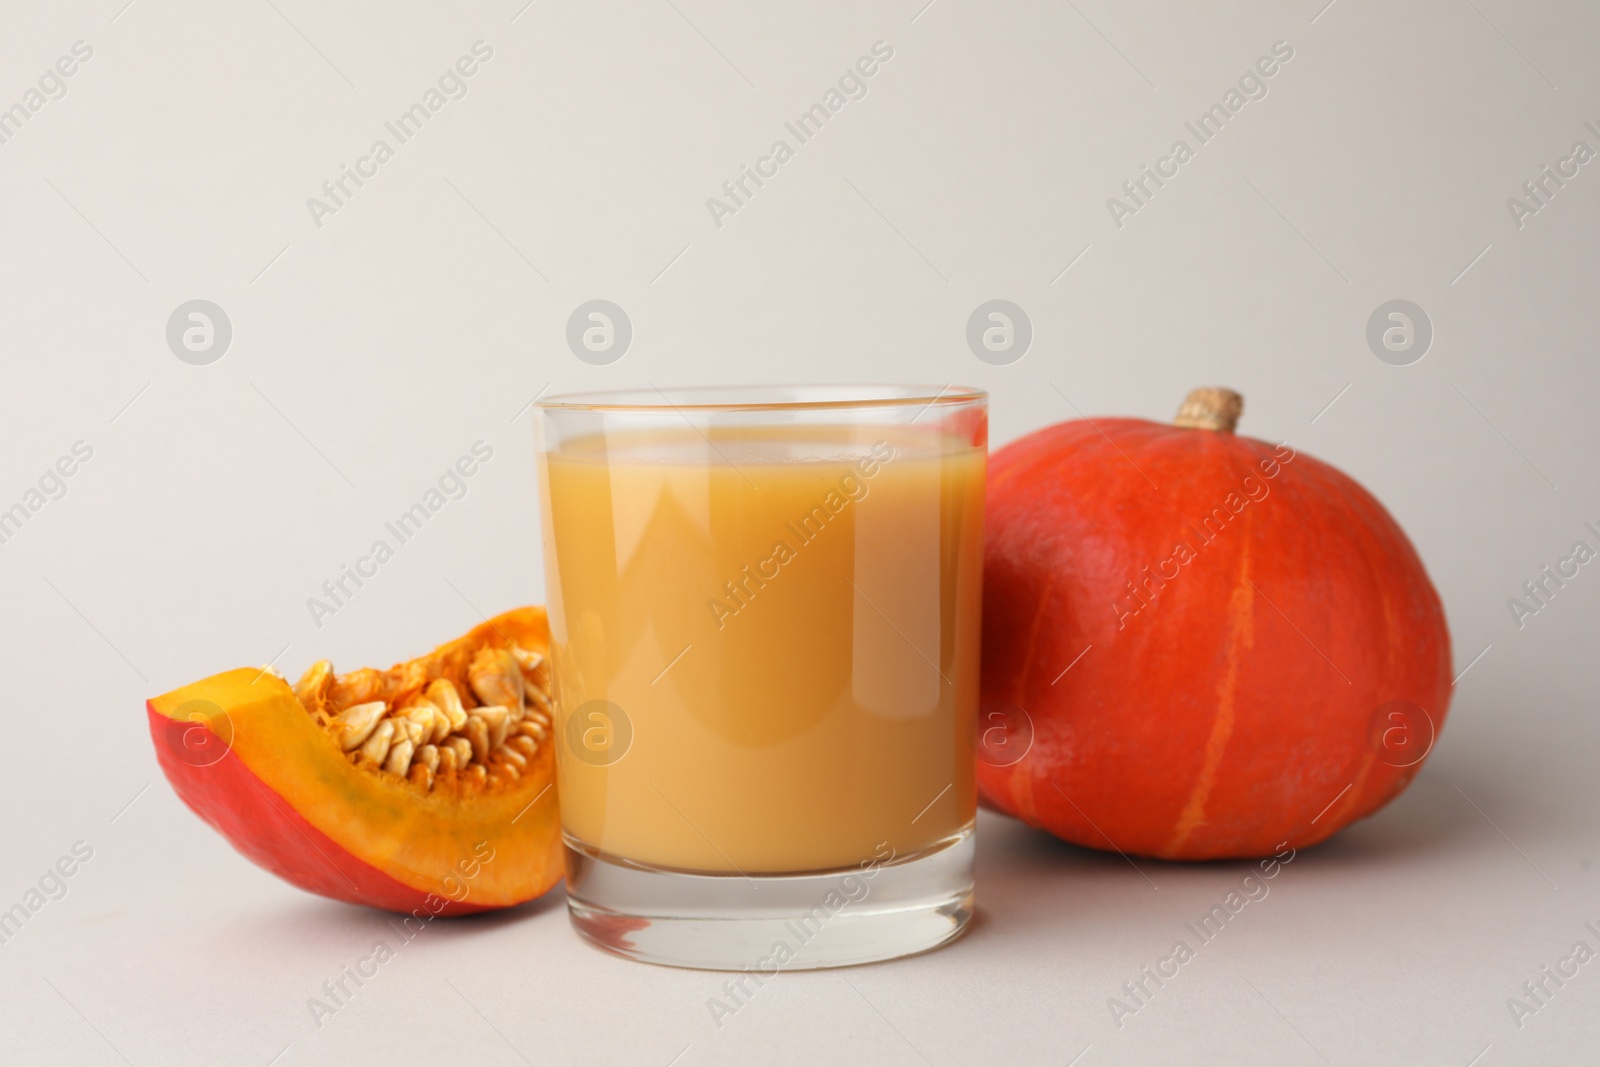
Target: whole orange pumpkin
1198,645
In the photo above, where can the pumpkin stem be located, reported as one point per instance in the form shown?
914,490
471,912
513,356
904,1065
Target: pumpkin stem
1211,408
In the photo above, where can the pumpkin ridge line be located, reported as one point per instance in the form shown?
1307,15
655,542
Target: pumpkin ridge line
1242,631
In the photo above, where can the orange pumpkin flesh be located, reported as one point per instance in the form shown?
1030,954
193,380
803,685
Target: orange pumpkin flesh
1207,645
268,772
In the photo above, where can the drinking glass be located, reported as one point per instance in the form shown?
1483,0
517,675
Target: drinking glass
765,615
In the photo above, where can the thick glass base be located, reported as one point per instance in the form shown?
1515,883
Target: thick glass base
770,923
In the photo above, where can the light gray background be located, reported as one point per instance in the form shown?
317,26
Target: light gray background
369,353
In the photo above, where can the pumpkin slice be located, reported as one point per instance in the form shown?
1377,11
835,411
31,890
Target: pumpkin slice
427,788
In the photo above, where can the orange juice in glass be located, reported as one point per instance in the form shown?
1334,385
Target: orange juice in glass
765,609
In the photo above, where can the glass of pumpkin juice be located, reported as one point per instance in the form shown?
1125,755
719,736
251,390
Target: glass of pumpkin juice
765,614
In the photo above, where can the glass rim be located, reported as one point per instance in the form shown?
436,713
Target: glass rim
714,398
